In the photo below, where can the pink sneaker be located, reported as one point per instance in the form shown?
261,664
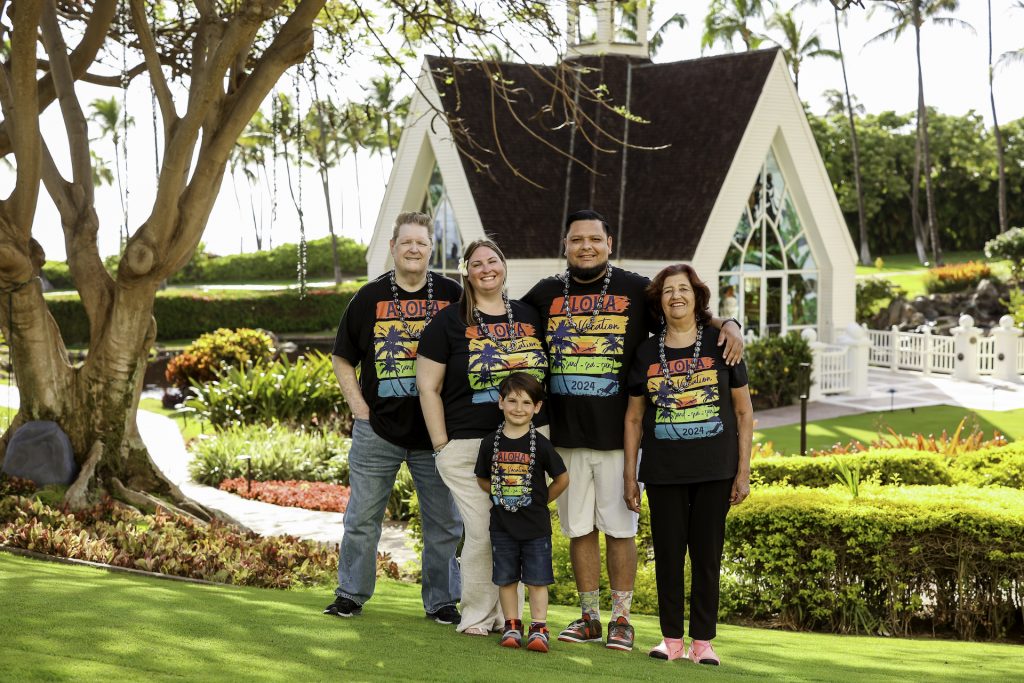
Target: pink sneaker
701,652
669,649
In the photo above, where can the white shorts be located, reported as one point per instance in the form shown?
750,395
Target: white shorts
593,499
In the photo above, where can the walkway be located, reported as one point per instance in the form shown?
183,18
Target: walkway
896,390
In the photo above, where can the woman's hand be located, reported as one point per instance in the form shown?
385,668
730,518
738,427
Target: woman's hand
631,494
740,488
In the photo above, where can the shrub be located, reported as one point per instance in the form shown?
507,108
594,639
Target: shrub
872,294
308,495
1010,246
59,275
773,365
304,393
115,534
947,557
184,314
202,358
277,452
993,466
1016,306
956,277
889,467
278,263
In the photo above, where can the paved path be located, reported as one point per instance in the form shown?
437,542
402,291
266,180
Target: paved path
168,452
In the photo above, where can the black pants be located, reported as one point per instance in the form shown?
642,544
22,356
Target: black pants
688,517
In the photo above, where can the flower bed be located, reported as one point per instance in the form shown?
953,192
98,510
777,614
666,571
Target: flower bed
309,495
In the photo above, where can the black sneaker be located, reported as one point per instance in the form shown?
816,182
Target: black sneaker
343,607
445,615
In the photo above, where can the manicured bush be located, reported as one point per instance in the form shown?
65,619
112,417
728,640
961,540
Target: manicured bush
277,452
1016,306
873,293
993,466
1010,246
278,263
115,534
303,394
59,275
773,366
941,558
308,495
184,314
906,467
202,358
956,277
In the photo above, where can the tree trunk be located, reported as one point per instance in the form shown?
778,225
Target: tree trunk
922,122
330,225
920,237
862,224
1000,161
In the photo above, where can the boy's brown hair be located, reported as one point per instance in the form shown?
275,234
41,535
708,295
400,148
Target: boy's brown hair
520,381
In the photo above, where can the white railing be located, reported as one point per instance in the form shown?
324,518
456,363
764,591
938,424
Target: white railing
986,355
833,370
1020,356
881,347
943,355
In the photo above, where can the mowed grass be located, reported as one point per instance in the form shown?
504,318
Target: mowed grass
865,427
189,426
905,271
78,623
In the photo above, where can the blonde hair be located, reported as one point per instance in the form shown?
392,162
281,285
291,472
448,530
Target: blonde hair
413,218
468,301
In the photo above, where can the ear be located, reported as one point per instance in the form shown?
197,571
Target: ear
610,243
537,407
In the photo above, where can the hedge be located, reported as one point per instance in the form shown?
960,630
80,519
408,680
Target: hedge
996,466
893,560
279,263
188,314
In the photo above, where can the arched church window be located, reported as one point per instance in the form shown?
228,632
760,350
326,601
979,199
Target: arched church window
769,278
447,240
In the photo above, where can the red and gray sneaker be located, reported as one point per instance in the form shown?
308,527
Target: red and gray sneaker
513,633
538,638
583,630
620,635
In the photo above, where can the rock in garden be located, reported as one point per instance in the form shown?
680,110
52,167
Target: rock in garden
41,451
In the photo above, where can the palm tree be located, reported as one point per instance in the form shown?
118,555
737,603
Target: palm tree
862,223
913,14
796,46
250,156
657,38
385,114
728,18
1005,58
113,122
352,135
101,173
321,139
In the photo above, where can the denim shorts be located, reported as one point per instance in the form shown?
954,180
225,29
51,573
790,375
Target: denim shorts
527,561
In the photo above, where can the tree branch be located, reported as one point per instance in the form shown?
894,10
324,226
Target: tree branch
24,114
71,109
156,73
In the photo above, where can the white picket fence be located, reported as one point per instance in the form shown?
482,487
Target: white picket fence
931,353
833,369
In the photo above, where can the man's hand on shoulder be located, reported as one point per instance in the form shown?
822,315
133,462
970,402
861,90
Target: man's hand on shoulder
732,337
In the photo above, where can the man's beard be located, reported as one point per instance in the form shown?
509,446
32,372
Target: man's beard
587,274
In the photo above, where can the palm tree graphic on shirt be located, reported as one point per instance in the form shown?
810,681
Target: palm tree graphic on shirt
392,347
560,342
487,360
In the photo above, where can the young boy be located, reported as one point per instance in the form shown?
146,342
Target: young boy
510,467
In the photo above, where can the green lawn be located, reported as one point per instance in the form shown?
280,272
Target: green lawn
188,425
865,426
905,270
78,623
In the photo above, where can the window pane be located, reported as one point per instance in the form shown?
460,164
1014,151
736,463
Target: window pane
775,185
752,304
436,187
743,229
753,256
789,223
800,257
728,304
732,258
773,250
803,300
773,308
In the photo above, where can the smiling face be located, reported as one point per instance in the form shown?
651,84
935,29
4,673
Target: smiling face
411,249
518,408
587,249
677,298
486,271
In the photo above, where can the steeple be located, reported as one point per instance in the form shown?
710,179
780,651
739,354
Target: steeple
607,27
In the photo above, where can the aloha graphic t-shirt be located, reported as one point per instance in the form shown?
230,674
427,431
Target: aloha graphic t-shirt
512,463
690,434
475,365
373,338
590,361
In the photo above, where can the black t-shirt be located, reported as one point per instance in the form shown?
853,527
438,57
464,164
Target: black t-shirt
689,435
371,336
475,365
589,363
511,465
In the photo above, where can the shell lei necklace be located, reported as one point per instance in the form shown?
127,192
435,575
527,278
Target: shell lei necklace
509,345
597,309
413,334
664,362
513,504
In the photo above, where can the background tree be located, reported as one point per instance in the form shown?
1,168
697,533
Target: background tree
797,46
656,38
353,135
249,156
727,19
323,123
913,14
107,114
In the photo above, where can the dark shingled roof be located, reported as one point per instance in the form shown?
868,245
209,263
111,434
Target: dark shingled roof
697,111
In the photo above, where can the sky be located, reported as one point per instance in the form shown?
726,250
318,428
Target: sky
882,76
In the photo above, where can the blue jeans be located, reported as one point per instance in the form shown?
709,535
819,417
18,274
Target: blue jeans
373,465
